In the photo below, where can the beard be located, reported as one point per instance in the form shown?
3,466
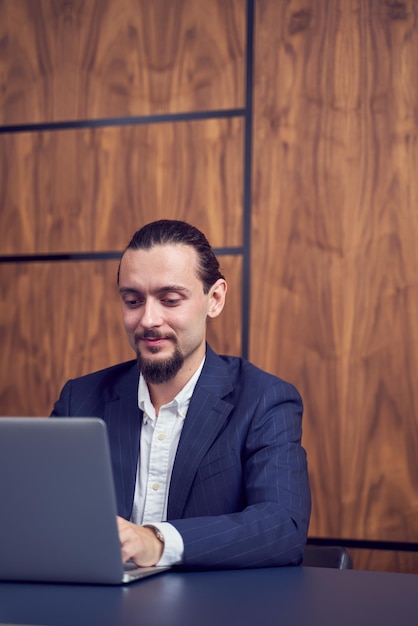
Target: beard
158,372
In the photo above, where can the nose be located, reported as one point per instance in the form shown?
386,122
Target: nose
151,315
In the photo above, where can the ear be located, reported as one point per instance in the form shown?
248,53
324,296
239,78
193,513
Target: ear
217,294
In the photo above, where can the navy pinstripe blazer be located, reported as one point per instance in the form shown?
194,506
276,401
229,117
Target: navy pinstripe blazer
239,492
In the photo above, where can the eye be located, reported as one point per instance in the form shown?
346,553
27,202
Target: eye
170,301
132,301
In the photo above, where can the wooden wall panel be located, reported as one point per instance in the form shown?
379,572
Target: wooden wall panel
334,254
334,267
75,60
89,189
63,319
385,561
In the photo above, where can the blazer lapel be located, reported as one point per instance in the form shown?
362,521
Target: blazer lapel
123,419
206,416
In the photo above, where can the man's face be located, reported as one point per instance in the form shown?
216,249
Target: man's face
165,309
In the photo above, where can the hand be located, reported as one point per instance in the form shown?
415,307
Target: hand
139,544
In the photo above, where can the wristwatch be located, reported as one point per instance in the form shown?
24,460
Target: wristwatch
157,532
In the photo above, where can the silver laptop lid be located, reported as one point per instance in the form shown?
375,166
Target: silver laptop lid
58,510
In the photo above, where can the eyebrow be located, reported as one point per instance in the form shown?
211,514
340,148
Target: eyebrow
159,291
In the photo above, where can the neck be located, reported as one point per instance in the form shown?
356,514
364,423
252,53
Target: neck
163,394
166,392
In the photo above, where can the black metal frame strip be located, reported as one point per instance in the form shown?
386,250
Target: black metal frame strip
246,278
122,121
59,256
90,256
365,544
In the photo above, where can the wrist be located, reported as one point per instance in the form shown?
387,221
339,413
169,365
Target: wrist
160,538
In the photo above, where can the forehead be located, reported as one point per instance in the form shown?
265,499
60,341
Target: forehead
160,265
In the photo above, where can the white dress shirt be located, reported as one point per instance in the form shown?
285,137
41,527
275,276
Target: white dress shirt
158,446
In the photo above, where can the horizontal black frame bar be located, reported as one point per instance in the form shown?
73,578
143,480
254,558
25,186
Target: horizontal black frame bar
90,256
365,544
64,256
122,121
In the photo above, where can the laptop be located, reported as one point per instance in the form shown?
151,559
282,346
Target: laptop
58,506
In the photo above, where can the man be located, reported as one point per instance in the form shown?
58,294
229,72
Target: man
208,466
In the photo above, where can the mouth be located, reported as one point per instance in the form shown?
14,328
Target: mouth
152,341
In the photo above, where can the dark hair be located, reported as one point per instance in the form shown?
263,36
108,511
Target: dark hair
164,232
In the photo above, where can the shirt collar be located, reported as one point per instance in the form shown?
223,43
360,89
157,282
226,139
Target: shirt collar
180,402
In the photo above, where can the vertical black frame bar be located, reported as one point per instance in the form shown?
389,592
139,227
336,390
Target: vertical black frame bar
248,117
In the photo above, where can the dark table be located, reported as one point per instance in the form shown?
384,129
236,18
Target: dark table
287,596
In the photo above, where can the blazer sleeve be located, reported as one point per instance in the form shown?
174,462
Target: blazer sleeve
271,527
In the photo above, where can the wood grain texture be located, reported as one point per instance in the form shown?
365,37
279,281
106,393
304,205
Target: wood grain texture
89,189
64,60
335,226
385,561
63,319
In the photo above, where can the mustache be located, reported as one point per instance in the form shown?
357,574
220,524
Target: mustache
153,334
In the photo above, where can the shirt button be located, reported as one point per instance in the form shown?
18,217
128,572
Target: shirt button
161,436
156,486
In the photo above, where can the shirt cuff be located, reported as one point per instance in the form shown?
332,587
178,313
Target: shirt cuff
173,544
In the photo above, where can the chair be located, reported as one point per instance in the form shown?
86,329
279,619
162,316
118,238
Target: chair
327,556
